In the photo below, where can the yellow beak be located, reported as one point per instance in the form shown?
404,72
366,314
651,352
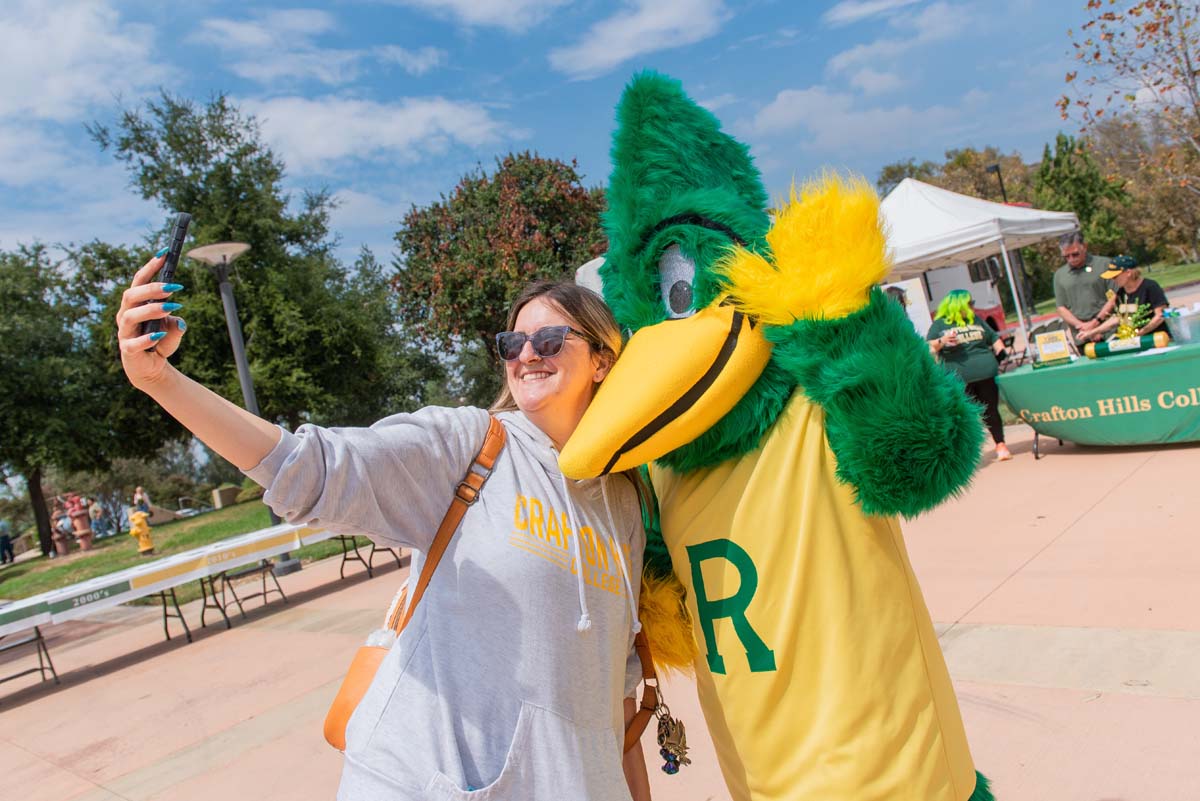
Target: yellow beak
673,382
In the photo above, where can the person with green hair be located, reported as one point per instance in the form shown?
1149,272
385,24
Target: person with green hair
969,348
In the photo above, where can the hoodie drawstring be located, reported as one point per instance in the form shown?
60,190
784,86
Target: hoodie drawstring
612,527
585,621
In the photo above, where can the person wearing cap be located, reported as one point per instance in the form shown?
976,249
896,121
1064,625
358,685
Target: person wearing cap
1080,290
1133,291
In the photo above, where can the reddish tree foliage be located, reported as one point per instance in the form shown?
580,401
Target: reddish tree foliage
1141,61
464,258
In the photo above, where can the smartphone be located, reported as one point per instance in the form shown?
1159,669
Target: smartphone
167,273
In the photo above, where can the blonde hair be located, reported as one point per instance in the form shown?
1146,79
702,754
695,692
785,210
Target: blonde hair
587,312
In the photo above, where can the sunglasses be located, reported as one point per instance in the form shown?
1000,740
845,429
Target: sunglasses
546,341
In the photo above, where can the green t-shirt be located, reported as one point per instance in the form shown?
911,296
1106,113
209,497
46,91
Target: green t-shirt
1082,291
972,358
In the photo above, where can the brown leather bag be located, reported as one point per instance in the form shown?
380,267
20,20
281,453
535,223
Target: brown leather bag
368,657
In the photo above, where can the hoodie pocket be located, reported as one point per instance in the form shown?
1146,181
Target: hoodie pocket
514,775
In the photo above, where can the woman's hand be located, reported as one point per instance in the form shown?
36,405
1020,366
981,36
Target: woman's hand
144,357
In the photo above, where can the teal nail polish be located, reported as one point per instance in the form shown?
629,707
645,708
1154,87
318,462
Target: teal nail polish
170,307
157,335
172,287
162,252
182,325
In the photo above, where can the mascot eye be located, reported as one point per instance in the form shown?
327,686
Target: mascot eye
676,273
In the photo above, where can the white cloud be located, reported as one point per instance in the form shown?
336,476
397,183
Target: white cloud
101,206
644,26
872,82
718,102
835,123
935,23
278,46
60,59
414,62
511,15
272,29
29,154
362,210
850,11
315,134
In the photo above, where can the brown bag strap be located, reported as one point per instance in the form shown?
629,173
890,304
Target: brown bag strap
465,494
641,719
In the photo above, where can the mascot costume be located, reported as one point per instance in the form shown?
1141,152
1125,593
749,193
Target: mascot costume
789,413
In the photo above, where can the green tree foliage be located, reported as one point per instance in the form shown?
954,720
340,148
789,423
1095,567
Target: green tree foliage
320,339
965,170
462,259
1069,179
892,174
48,405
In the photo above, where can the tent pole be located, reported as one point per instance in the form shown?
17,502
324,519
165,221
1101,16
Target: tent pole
1012,285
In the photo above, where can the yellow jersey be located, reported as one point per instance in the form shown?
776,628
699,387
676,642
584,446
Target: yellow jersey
819,673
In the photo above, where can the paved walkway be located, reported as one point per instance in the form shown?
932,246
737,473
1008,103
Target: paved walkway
1065,593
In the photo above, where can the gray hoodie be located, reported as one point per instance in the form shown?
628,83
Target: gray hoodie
498,689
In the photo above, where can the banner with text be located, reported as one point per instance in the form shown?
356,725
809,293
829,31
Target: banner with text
1150,397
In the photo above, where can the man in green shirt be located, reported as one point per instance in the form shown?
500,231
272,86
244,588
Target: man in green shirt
1080,289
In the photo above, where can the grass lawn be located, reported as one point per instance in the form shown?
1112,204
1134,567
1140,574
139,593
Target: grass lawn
111,554
1167,276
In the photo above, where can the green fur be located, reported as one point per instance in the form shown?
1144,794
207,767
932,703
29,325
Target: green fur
903,432
671,158
905,435
983,789
656,560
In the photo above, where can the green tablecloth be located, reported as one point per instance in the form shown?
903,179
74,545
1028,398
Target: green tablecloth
1132,399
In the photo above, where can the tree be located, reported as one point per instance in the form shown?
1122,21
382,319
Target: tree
965,170
48,407
464,258
401,376
1070,180
1142,59
892,174
316,341
1163,218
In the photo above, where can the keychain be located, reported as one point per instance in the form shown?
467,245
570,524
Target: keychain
672,740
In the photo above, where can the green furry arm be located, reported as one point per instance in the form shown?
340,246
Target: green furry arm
904,433
656,561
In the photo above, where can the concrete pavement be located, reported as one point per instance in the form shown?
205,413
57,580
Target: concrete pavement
1065,593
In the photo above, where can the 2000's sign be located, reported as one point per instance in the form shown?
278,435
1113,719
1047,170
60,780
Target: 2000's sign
89,597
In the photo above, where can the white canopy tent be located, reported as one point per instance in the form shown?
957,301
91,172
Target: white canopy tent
930,227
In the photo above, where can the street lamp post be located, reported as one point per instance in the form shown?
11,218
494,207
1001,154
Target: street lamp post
996,169
217,257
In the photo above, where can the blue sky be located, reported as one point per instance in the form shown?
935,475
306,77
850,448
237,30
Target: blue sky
388,102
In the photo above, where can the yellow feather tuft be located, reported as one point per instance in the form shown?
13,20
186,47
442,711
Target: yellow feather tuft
667,623
827,251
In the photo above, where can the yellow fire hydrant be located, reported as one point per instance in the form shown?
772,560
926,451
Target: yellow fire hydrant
140,529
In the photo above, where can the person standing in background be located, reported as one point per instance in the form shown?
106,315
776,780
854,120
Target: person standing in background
969,348
1135,295
1080,288
6,548
141,500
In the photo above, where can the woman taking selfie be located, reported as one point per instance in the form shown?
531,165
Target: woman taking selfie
516,672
